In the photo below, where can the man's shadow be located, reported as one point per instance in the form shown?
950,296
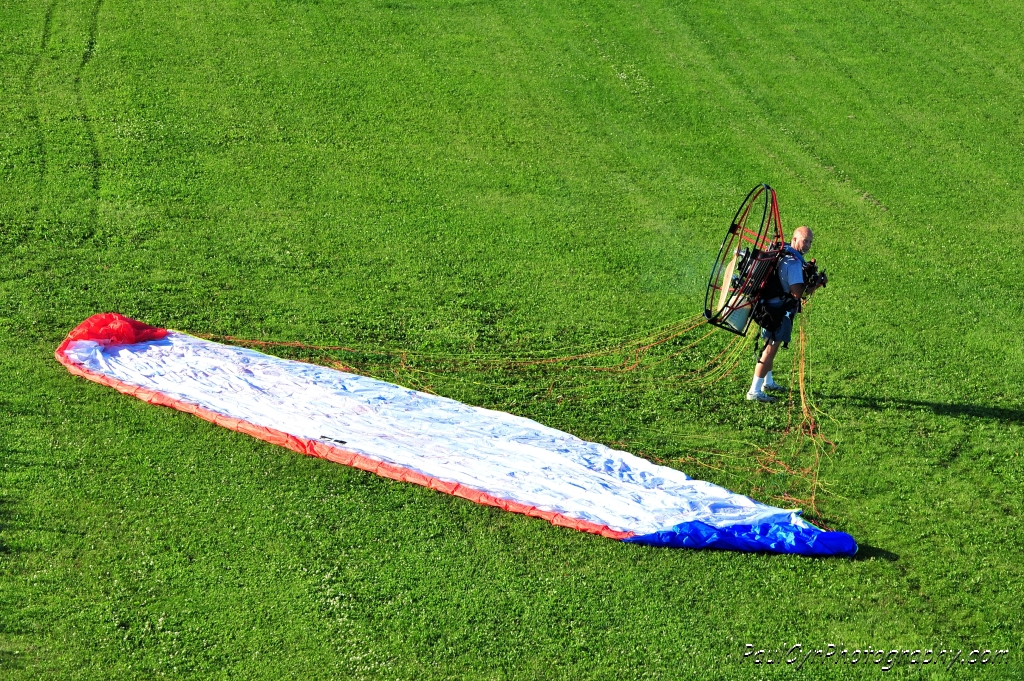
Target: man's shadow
1001,414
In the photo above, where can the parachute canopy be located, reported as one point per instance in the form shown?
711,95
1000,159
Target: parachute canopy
489,457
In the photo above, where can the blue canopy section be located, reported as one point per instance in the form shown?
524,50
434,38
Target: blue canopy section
802,539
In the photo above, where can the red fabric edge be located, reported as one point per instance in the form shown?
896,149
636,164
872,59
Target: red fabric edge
332,453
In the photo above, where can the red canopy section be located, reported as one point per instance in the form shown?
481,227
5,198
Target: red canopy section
110,328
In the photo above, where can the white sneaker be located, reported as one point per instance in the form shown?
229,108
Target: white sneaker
759,397
772,386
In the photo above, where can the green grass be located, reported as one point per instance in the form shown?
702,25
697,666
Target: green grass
503,177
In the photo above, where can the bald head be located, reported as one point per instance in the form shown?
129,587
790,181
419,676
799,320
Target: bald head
802,239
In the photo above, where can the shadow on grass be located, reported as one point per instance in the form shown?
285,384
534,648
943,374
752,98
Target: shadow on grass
11,660
1000,414
867,552
5,517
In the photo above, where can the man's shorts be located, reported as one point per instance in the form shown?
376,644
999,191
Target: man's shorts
783,334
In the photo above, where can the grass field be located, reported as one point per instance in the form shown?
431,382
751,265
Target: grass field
506,178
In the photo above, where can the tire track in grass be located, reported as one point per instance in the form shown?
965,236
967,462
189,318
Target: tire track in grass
95,162
31,96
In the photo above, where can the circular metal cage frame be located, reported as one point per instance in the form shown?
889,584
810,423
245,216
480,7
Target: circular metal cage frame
747,256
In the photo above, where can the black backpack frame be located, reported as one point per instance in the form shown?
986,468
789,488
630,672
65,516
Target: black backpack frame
769,317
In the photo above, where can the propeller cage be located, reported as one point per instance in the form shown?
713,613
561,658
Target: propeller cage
747,257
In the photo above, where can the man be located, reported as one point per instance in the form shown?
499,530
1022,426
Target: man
791,276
